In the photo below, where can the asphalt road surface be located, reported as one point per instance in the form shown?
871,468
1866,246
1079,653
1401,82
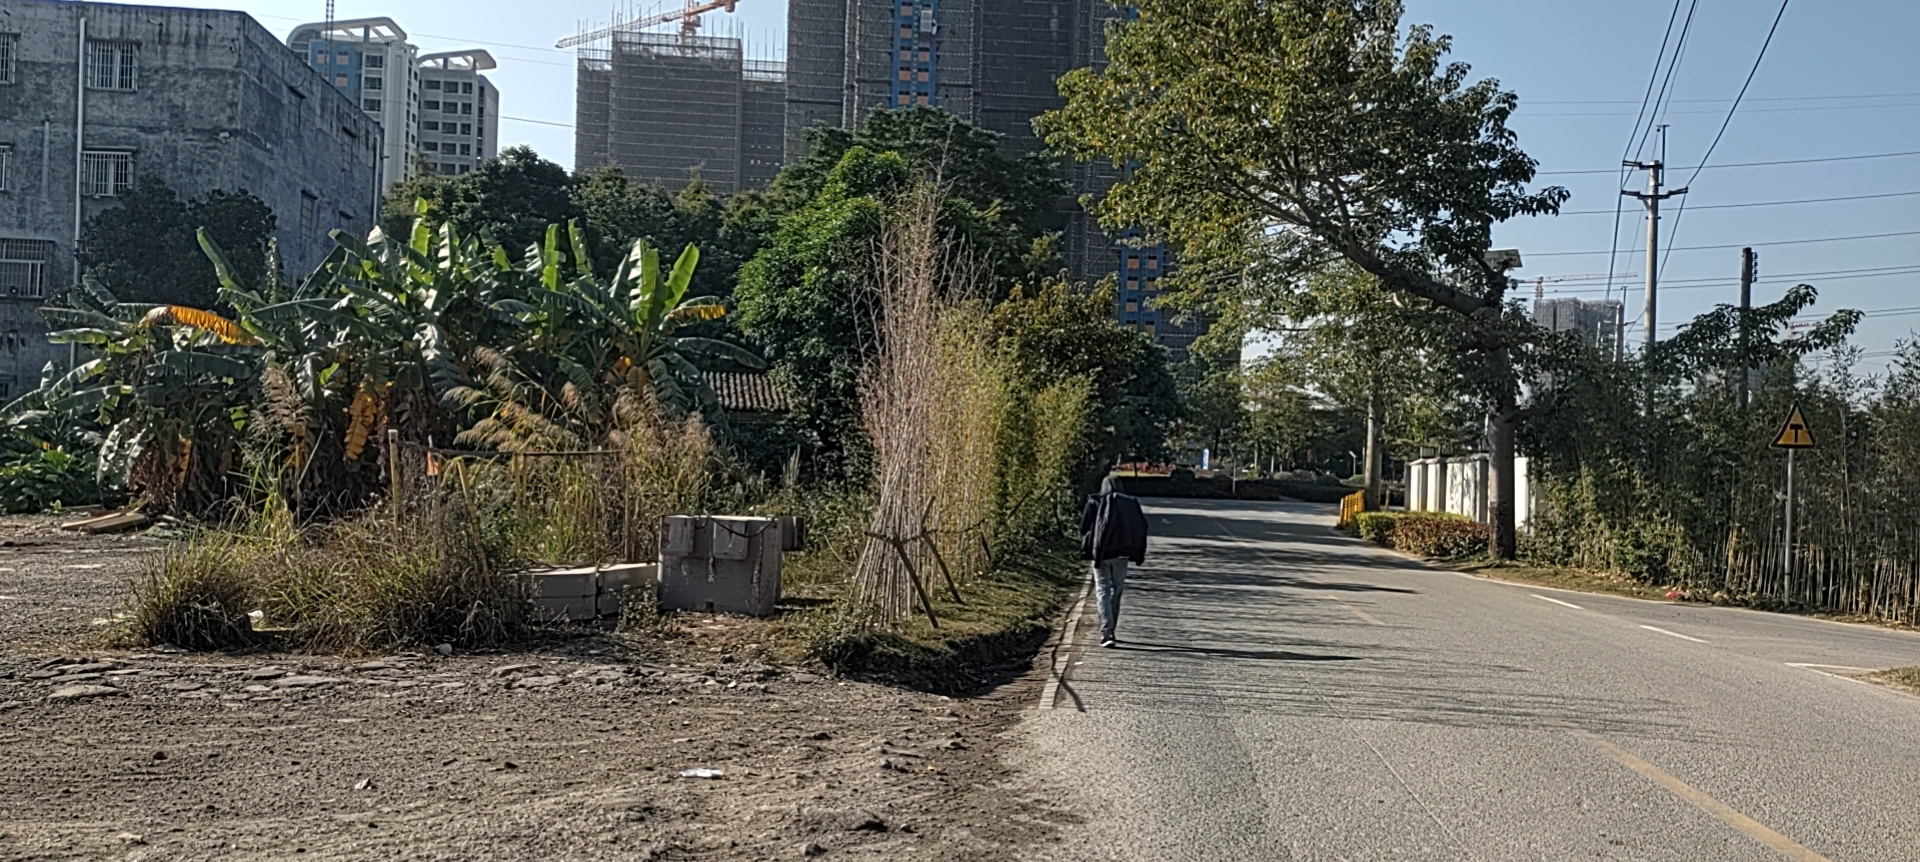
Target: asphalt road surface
1283,692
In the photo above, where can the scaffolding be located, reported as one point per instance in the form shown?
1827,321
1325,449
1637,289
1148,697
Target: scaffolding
665,106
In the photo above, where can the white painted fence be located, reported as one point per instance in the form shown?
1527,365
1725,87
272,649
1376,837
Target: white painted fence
1459,485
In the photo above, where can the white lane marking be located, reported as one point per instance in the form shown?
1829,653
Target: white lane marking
1673,634
1811,665
1559,602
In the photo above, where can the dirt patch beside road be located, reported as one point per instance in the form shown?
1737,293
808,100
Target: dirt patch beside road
573,750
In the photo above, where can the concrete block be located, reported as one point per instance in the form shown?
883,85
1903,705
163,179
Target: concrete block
562,583
730,565
563,610
607,605
627,576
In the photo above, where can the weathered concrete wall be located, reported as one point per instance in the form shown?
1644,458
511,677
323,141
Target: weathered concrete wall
219,103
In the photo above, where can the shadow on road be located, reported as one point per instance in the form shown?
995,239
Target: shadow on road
1222,652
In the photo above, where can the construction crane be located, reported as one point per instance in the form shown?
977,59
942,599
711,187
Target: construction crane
1540,283
688,17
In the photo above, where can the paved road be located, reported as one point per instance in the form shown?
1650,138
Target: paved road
1286,693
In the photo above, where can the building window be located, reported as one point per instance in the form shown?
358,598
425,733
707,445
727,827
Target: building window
8,42
466,128
466,107
430,147
110,65
465,168
466,149
107,173
373,83
23,268
372,105
431,125
375,61
467,87
6,167
340,81
433,84
307,204
431,106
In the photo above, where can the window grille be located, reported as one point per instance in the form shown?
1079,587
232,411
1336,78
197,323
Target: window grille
373,83
6,167
107,174
307,205
375,61
8,43
23,268
110,65
373,105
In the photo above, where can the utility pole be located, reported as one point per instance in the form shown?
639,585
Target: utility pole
1652,198
1749,270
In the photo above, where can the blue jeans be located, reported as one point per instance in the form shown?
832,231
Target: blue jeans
1109,581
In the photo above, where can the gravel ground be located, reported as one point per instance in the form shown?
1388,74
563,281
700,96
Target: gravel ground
581,750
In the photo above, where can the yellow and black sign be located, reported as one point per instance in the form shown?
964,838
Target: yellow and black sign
1795,434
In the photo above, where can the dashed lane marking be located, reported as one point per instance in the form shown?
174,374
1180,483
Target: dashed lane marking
1673,634
1559,602
1778,843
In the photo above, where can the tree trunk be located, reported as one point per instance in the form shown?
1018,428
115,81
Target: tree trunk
1500,469
1374,502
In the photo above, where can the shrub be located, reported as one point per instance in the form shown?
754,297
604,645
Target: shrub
196,596
1438,536
1377,526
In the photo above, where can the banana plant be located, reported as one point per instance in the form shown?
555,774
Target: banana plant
170,384
592,342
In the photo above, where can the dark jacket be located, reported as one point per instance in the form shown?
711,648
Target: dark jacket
1113,526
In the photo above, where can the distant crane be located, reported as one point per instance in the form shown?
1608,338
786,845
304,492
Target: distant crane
688,17
1540,283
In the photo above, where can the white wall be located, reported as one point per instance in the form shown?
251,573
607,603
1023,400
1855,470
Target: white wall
1459,486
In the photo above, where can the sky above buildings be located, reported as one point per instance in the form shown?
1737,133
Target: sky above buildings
1841,79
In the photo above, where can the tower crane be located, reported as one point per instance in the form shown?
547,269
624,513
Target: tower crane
688,17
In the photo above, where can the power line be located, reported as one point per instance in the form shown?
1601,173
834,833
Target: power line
1790,110
1697,168
1735,245
1755,70
1723,101
1749,204
1863,272
537,122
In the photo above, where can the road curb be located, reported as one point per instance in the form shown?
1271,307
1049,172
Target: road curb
1063,648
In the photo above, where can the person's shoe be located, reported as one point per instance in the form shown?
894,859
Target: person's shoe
1109,643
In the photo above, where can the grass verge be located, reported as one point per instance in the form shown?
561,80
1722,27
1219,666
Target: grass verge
1905,679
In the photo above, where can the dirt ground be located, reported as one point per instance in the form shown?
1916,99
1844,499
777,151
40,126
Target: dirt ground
580,750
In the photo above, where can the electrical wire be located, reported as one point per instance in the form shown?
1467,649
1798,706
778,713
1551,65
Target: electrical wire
1723,101
1616,251
1750,204
1755,70
1698,168
1645,99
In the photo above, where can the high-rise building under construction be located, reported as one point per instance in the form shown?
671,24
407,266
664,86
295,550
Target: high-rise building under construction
662,106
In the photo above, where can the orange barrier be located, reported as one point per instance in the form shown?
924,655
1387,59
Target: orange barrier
1351,506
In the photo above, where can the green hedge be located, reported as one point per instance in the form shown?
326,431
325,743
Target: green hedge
1434,535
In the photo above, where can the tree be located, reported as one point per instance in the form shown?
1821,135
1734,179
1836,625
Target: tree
144,250
807,299
1292,133
512,197
1014,198
1060,330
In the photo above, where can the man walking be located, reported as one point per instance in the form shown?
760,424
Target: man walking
1113,531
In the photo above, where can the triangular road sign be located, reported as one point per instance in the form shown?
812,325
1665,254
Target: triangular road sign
1795,434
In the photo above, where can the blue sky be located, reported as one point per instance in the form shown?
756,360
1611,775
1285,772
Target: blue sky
1841,79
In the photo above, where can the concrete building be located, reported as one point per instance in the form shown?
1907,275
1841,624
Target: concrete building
94,94
1596,323
371,62
661,106
459,111
435,110
994,63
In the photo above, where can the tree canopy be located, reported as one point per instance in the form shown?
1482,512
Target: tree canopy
1273,138
144,251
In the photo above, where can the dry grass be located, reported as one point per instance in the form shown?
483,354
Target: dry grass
1906,679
